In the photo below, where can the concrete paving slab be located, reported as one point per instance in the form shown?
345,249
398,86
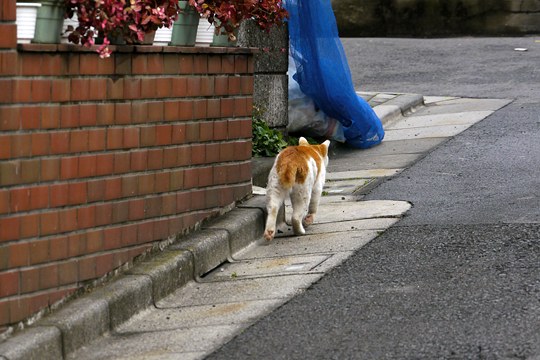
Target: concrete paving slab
470,117
387,113
435,99
463,105
428,132
286,245
346,226
343,187
332,213
367,161
268,267
158,343
238,289
412,146
360,174
243,312
338,198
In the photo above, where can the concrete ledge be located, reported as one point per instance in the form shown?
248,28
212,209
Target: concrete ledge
209,248
35,343
243,225
167,270
80,322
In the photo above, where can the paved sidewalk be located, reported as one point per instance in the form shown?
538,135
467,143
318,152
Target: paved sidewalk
156,310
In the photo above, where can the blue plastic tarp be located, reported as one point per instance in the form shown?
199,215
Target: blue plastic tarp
323,73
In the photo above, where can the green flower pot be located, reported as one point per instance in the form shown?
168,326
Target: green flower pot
184,30
49,21
223,38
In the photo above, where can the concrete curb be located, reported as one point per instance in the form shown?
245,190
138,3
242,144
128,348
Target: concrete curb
90,316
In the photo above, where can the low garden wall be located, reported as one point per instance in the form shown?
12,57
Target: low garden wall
100,159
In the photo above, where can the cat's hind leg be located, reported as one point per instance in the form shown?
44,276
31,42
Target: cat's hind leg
274,201
314,202
300,198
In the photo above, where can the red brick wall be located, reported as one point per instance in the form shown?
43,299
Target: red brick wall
101,158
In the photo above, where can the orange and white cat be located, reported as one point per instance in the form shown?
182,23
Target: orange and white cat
298,172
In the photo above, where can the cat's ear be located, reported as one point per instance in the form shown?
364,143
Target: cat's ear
303,141
326,143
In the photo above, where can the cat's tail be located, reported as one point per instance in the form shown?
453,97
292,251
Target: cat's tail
291,174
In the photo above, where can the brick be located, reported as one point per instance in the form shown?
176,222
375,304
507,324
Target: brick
30,117
241,64
19,254
68,273
155,111
120,212
69,116
170,64
78,141
214,64
176,180
97,88
206,131
122,64
77,193
60,142
132,88
106,66
145,232
113,188
234,85
199,109
87,268
152,207
9,283
19,309
161,229
4,201
139,64
94,241
59,195
115,89
184,155
192,132
21,145
122,163
9,117
39,197
213,108
198,154
9,87
97,139
40,143
58,248
104,264
104,214
220,175
136,209
80,89
88,64
30,171
29,280
69,167
86,217
227,152
163,87
139,160
39,251
68,220
60,90
155,159
240,107
148,135
200,64
168,205
21,89
112,238
155,64
193,86
104,164
105,114
76,245
170,110
129,235
10,172
50,169
30,225
162,182
178,134
191,178
198,200
131,137
145,184
221,130
8,62
139,112
206,176
115,138
88,115
186,64
130,185
246,85
87,166
49,223
227,107
163,135
48,277
5,146
169,157
185,110
227,64
50,116
122,113
19,200
8,40
96,190
179,87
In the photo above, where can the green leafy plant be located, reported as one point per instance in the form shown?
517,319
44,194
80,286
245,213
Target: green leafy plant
267,142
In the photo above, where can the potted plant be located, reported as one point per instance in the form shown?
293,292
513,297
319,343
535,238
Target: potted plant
118,21
49,21
185,27
226,15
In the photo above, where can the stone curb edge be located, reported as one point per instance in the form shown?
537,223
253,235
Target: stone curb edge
90,316
84,319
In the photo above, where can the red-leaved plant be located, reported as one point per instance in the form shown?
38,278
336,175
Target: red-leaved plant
227,14
125,20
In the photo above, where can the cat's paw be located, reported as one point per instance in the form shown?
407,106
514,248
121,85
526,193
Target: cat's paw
308,220
269,235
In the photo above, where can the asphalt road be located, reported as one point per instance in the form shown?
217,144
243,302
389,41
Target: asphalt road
459,276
